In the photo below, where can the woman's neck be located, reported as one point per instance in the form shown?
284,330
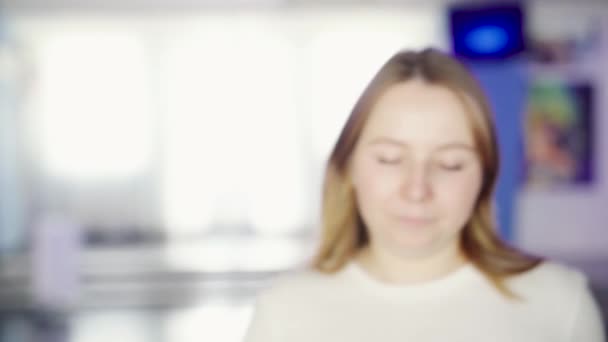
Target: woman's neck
395,269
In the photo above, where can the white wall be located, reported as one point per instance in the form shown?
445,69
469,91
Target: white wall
568,224
572,224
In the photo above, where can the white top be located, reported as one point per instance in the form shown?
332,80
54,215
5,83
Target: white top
352,306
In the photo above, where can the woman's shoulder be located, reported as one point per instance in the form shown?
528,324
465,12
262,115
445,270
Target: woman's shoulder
300,283
553,271
554,280
560,296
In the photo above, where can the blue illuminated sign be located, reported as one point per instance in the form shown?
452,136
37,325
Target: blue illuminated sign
487,32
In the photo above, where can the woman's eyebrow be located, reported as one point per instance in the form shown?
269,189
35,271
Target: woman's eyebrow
456,145
443,146
387,140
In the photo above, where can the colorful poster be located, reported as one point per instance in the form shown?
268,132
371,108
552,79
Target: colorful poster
558,134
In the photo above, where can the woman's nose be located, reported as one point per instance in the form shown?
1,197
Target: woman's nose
415,184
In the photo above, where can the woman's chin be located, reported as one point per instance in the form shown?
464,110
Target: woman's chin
414,244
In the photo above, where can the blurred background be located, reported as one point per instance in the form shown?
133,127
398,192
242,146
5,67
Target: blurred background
161,161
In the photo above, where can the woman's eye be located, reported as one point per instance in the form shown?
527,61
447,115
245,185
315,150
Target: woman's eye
388,160
451,166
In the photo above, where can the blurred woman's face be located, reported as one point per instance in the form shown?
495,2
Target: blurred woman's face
415,170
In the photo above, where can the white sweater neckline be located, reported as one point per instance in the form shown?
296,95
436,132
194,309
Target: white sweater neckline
461,276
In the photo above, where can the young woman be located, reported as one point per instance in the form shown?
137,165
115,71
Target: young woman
409,250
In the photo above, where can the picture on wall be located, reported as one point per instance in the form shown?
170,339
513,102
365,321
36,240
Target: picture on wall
558,136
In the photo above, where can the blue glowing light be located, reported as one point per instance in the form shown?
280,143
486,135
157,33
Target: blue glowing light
487,32
487,39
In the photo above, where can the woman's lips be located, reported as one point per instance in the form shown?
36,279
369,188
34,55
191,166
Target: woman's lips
415,220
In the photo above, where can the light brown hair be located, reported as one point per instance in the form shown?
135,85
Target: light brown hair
343,230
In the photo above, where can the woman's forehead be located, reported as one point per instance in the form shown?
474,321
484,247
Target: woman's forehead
417,111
